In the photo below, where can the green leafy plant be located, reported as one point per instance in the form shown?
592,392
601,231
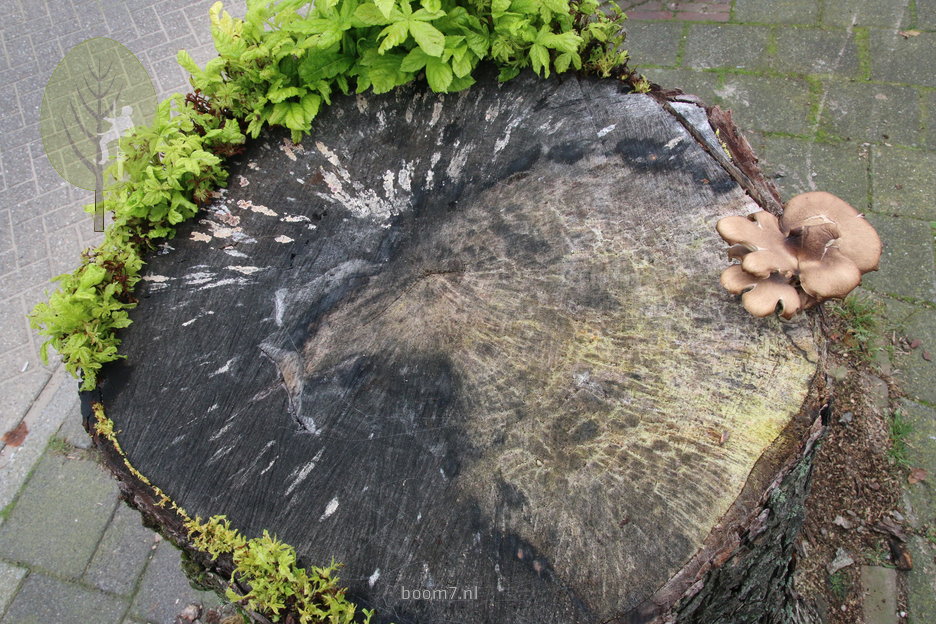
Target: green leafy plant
899,429
839,585
277,67
284,60
276,581
861,330
165,170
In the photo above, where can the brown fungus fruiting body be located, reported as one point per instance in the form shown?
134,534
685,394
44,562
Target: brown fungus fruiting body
817,250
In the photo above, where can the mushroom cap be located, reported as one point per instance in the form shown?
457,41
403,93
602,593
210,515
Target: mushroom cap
857,238
762,294
833,275
760,233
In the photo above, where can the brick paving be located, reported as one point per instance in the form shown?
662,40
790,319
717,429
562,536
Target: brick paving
834,95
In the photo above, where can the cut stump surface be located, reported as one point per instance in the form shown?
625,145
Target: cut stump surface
467,341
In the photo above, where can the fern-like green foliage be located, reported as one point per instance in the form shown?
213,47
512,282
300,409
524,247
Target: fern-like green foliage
275,579
277,67
164,170
284,60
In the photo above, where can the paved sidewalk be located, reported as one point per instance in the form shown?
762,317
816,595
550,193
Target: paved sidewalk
70,553
835,95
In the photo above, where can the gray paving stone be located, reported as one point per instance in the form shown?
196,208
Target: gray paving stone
929,106
880,13
806,165
903,181
754,102
907,265
925,15
30,239
6,231
872,113
122,553
17,394
73,500
921,451
43,600
815,51
776,11
653,43
915,374
879,586
921,581
738,46
15,328
164,590
10,578
71,429
910,60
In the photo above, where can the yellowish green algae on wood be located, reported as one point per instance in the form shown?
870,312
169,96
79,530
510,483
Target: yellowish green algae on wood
612,387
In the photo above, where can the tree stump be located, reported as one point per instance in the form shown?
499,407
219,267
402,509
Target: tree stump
474,347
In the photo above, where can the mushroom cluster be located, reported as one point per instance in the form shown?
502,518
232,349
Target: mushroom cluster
817,250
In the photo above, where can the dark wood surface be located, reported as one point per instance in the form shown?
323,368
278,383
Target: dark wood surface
473,341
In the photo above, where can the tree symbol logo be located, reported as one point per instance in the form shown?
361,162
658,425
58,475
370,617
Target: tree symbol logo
97,92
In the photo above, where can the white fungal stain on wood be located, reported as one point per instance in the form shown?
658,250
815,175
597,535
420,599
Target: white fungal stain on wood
190,321
200,237
673,143
242,181
246,270
361,103
502,142
329,155
299,474
156,278
330,508
240,281
436,112
253,165
405,177
249,205
270,465
388,184
279,306
372,579
492,112
233,252
458,161
295,218
198,277
289,148
282,238
223,369
362,202
606,130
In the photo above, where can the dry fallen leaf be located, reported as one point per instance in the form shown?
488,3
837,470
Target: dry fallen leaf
927,356
916,475
16,435
900,555
916,342
906,34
